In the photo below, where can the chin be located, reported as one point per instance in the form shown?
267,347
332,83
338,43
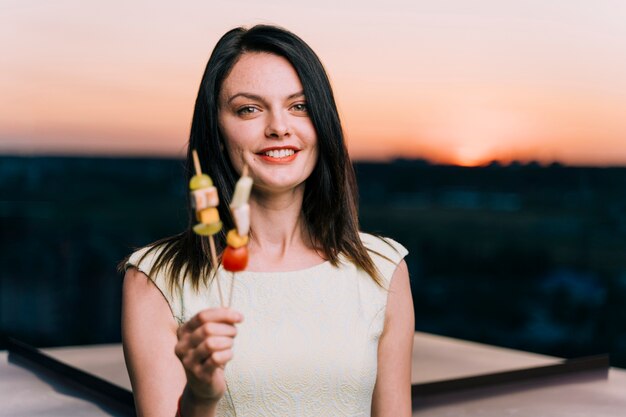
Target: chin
282,176
275,186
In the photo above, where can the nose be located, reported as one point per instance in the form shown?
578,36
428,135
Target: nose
277,126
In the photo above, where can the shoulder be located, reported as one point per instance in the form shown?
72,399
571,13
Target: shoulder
143,261
385,252
383,247
144,258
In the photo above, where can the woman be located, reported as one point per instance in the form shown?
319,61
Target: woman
328,326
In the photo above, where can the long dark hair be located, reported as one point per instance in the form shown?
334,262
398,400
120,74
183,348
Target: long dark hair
330,196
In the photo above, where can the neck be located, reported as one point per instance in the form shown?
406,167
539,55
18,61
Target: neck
277,223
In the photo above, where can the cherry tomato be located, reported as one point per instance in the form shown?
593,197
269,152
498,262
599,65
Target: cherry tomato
235,259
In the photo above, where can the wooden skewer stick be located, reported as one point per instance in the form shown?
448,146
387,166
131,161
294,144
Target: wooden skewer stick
214,261
217,278
244,173
232,289
196,162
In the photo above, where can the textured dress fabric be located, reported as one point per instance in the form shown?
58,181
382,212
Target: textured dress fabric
309,340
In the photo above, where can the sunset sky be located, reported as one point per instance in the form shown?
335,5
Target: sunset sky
454,81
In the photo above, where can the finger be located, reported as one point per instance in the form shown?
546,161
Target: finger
192,358
212,329
210,346
217,343
189,342
218,359
222,315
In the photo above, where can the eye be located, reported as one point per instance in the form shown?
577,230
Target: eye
247,110
300,107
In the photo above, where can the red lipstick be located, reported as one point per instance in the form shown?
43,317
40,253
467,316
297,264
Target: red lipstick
273,154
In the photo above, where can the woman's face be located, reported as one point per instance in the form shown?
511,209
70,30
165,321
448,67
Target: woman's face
264,120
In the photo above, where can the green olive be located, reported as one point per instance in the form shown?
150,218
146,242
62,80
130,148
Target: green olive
207,229
200,181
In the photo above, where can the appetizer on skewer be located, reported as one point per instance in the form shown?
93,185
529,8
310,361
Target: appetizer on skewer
235,256
204,200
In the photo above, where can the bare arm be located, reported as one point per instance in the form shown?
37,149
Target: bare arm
165,360
149,337
392,392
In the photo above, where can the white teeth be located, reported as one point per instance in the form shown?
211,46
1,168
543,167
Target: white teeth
283,153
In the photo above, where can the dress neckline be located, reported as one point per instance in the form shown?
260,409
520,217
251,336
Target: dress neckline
281,273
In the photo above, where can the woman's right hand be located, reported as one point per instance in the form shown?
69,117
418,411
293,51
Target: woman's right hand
204,347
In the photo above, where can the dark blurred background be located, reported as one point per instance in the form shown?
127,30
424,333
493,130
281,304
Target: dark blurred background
525,256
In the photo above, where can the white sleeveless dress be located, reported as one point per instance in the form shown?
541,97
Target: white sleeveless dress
309,341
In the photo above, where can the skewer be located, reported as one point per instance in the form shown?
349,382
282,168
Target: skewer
214,216
214,261
244,173
232,289
196,162
210,223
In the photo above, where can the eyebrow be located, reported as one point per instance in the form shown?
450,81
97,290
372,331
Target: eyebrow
259,98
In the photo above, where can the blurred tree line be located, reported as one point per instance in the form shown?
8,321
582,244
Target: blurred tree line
522,256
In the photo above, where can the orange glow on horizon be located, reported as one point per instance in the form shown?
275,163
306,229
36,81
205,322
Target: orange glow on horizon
432,82
469,157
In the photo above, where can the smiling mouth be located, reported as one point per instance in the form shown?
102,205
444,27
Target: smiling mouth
278,155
